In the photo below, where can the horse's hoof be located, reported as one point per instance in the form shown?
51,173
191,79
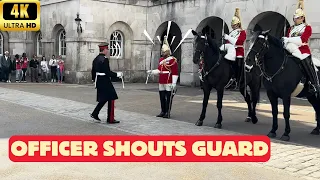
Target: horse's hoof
272,135
199,123
315,132
248,119
254,120
218,126
285,138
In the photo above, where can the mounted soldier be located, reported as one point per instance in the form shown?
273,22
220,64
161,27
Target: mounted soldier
168,77
234,45
101,75
296,42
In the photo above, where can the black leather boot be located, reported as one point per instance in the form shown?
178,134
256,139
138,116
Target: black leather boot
168,104
311,75
162,95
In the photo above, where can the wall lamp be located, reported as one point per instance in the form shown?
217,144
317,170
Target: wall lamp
78,20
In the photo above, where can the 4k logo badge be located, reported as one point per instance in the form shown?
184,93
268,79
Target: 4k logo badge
20,15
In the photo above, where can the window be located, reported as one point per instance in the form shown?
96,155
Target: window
1,44
62,43
116,44
39,44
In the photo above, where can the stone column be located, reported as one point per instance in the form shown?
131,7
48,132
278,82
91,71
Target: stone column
188,74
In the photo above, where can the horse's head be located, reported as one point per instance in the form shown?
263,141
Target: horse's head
199,46
259,46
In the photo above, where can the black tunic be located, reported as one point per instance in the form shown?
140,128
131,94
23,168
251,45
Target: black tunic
104,86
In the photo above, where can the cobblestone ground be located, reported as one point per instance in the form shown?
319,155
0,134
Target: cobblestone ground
139,103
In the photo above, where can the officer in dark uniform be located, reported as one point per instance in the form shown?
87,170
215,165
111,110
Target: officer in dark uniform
101,75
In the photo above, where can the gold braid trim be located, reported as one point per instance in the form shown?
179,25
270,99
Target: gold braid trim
168,67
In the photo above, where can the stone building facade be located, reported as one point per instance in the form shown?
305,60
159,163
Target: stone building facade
122,23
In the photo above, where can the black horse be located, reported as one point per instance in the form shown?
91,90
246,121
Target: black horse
216,73
282,76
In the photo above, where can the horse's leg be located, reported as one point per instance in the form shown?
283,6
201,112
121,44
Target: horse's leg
316,106
206,96
255,93
274,105
286,115
219,106
247,98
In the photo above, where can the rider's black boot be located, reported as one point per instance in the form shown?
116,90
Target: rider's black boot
311,75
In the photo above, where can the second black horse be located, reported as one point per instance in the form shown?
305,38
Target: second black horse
216,73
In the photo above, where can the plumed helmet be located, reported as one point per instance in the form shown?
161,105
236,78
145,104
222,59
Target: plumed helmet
236,18
165,45
300,10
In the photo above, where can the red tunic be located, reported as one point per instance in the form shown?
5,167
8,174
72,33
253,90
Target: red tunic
25,63
304,32
241,38
167,70
18,64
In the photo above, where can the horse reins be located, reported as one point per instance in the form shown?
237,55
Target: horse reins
213,67
261,66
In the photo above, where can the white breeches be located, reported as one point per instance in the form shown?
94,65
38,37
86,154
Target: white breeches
231,51
164,87
295,51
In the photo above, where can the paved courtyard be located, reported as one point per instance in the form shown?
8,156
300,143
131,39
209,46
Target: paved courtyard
64,109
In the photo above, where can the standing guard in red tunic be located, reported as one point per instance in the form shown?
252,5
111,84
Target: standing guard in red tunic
296,43
168,77
234,45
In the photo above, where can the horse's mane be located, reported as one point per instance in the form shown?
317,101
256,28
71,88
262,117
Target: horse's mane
275,47
213,44
275,41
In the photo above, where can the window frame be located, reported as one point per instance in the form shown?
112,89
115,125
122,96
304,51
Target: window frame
39,44
62,43
114,38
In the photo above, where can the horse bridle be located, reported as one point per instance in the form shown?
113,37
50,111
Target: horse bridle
258,56
206,73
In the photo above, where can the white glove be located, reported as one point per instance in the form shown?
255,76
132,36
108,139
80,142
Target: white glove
226,36
285,40
119,74
173,86
153,72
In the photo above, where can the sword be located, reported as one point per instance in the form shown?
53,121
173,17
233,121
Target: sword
148,36
173,92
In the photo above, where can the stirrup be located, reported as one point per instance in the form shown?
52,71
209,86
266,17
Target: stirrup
230,83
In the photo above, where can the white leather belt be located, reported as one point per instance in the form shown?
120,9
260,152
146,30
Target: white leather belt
238,46
98,74
164,72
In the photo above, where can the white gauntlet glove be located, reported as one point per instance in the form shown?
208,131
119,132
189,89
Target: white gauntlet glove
153,72
226,37
174,81
285,40
119,74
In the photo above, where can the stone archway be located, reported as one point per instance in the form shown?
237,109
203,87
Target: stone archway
161,32
212,26
274,21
